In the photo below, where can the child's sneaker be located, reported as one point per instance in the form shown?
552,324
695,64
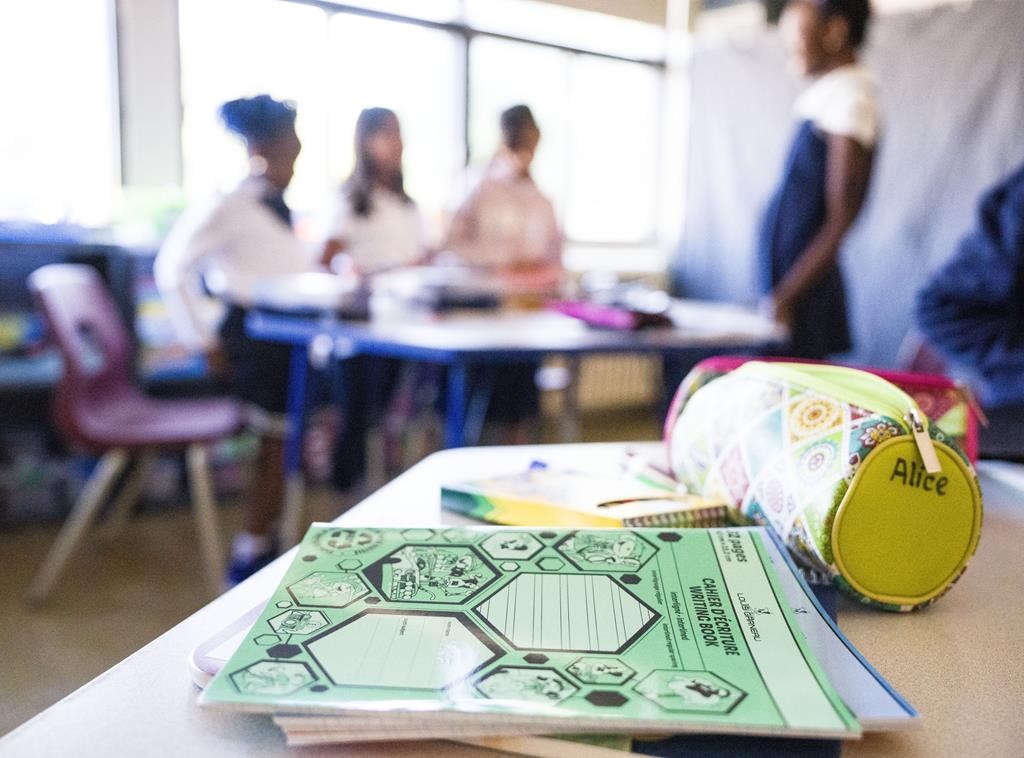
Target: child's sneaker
249,553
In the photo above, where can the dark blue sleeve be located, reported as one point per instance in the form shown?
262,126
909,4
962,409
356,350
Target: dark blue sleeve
972,309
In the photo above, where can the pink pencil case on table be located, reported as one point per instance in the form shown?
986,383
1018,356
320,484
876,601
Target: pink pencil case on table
609,316
949,403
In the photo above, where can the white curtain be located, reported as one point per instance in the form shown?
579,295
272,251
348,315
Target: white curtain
952,89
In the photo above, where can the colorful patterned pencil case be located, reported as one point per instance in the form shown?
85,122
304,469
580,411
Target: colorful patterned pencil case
843,465
950,404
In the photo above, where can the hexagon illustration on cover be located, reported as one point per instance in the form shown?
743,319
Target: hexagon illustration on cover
606,698
283,651
417,534
459,535
606,550
346,541
272,677
328,589
426,650
549,563
594,670
511,546
690,691
298,621
534,684
436,574
516,612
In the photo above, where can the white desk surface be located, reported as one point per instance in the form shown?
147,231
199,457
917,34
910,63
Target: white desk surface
958,662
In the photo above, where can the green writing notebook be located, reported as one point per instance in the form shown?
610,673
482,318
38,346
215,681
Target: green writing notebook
502,630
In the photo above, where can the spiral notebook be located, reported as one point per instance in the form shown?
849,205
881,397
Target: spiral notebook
540,495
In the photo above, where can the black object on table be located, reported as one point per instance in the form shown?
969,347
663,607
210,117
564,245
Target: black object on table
1003,438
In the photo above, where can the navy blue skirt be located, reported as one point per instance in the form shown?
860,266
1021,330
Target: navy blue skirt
793,218
259,370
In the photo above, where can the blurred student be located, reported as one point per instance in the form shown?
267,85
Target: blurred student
376,227
826,174
507,227
241,239
972,309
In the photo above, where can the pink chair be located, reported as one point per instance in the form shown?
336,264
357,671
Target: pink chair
98,407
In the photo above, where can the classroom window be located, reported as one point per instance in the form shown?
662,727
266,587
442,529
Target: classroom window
414,71
504,73
239,48
612,159
599,114
428,10
59,138
599,117
331,66
573,27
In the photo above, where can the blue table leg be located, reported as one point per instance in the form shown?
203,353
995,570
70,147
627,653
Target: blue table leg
479,402
294,483
455,416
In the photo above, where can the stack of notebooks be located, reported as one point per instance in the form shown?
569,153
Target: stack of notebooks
493,636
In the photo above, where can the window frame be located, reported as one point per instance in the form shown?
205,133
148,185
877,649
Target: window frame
113,174
467,34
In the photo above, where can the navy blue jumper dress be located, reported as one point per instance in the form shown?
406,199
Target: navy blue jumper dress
793,218
259,369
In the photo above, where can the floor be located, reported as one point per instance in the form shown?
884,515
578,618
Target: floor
118,597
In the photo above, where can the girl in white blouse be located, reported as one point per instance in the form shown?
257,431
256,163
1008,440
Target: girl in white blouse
375,227
375,223
232,244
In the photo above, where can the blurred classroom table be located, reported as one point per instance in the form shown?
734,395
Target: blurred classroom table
466,341
462,340
958,662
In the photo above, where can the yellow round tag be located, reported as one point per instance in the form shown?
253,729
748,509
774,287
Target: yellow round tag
901,536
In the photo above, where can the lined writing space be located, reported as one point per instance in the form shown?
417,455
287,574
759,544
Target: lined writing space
403,650
566,612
